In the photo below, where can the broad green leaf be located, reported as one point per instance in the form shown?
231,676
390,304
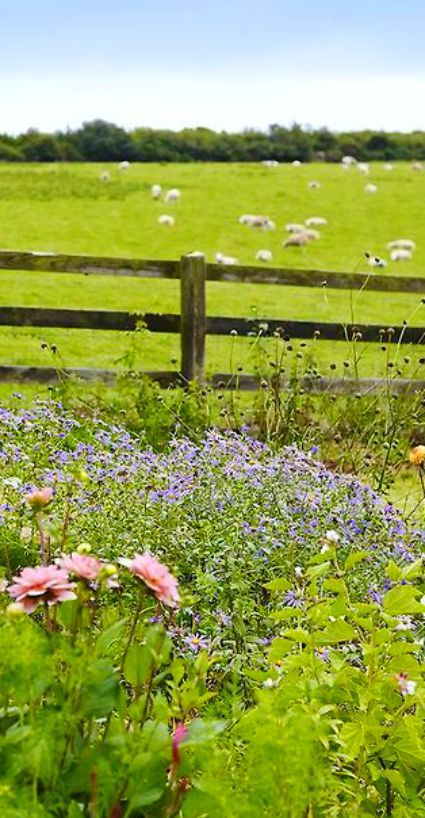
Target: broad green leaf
352,736
278,584
354,558
402,600
338,631
279,648
138,665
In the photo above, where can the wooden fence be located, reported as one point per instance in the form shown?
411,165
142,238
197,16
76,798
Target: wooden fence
193,324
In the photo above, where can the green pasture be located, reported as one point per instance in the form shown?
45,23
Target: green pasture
66,208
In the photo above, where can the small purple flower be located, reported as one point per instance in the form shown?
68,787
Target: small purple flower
376,596
294,599
196,642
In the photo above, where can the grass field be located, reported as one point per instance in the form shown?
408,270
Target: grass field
66,208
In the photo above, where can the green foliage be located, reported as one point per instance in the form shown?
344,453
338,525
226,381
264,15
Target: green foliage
101,141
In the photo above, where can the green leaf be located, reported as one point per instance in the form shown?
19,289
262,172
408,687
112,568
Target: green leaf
286,613
338,631
402,600
279,584
413,570
393,571
318,570
279,648
138,665
354,558
352,736
337,586
145,798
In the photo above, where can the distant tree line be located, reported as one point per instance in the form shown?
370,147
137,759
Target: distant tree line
100,141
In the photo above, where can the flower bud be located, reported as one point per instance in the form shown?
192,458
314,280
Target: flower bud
83,548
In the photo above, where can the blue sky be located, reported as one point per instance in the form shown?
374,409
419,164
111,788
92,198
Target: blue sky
223,64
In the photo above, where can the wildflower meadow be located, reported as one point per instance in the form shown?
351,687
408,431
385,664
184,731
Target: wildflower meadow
219,628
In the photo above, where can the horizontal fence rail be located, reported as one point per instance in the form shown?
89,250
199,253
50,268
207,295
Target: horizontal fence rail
215,325
194,325
142,268
220,381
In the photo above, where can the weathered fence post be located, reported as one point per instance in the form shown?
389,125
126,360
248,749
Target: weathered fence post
193,317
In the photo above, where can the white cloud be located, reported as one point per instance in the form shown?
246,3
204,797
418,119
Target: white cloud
228,101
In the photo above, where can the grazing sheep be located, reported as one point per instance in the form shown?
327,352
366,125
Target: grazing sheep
296,240
364,167
377,261
173,195
105,176
227,260
313,185
316,221
257,221
370,188
165,219
401,244
264,255
347,161
293,227
388,166
296,163
270,163
312,235
156,191
401,255
124,165
417,166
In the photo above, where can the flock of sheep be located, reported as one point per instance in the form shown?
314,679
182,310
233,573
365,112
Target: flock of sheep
299,234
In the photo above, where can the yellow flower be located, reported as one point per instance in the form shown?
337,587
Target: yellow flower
417,455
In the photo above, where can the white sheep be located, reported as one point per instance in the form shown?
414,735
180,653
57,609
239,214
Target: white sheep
312,235
401,255
364,168
417,166
296,240
401,244
316,221
264,255
270,163
173,195
388,166
370,188
257,221
124,165
156,191
376,261
347,161
105,176
165,219
296,163
293,227
313,185
227,260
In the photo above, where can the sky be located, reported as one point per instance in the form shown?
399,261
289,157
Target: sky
226,64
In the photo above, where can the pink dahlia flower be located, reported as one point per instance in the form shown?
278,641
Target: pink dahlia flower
85,567
156,576
40,498
44,584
